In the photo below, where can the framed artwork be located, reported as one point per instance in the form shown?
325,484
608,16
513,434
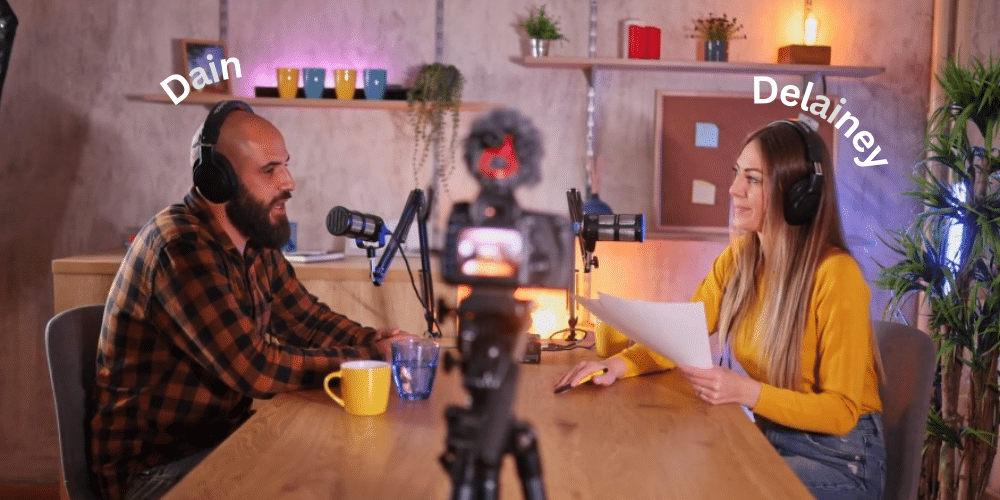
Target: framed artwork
208,55
698,137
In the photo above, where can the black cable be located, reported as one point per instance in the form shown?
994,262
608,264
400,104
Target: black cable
419,298
573,344
569,347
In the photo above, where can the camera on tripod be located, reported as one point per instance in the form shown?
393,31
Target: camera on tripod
492,241
495,246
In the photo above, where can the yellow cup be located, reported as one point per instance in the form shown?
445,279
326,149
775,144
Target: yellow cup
345,80
288,82
608,341
365,386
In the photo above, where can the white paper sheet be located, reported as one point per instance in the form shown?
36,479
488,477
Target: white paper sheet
675,330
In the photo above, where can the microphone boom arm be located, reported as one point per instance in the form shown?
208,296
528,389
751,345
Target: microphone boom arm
410,212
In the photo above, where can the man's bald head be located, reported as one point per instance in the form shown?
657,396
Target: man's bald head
246,139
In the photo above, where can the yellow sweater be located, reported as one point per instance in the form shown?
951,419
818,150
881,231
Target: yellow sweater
839,378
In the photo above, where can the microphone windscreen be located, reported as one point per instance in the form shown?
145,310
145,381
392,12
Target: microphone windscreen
338,220
508,129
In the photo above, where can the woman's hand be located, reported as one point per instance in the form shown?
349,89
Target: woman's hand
615,366
718,385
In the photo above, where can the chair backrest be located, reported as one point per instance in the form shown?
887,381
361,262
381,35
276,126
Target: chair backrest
909,358
71,345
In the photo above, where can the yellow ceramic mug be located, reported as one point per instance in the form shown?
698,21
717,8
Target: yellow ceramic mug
608,341
345,80
364,384
288,82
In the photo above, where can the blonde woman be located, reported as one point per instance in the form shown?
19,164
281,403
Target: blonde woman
792,306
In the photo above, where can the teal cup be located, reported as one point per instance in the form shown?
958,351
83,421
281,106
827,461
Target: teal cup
374,79
312,82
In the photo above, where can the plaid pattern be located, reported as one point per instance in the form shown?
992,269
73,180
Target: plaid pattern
192,331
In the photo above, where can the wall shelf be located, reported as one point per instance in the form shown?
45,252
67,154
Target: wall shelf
209,99
591,63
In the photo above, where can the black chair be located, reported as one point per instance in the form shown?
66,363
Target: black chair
71,346
908,356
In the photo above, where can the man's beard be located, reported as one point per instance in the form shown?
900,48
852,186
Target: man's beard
252,218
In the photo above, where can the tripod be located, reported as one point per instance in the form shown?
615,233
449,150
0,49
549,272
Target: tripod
491,341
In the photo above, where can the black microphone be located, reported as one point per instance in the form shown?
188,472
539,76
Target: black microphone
343,222
620,227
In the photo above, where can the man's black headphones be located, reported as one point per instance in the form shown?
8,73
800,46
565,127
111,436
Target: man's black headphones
213,174
803,196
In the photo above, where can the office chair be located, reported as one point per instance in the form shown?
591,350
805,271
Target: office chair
71,346
909,358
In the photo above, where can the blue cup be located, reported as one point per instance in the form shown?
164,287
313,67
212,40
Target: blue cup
312,82
374,83
414,364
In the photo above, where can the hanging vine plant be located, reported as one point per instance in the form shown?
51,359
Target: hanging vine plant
436,91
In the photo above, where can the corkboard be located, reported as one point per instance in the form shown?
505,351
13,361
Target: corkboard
678,162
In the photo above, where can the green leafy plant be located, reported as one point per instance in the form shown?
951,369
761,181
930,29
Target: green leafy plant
437,90
948,259
539,25
717,28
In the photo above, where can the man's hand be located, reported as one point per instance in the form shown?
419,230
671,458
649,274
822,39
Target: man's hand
385,336
718,385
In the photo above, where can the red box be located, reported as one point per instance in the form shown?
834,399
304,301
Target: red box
636,42
652,42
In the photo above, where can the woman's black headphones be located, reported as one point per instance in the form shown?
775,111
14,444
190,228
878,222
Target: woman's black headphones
213,174
802,198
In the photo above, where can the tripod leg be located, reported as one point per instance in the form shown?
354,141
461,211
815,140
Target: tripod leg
529,465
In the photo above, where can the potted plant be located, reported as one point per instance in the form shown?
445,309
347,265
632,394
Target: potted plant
949,260
436,90
716,32
541,29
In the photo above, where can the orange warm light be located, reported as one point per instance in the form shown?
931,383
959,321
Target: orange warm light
551,311
809,29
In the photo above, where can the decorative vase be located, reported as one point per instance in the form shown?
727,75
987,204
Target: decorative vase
539,47
716,50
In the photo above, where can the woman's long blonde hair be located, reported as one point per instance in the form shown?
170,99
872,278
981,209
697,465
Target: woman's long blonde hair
794,254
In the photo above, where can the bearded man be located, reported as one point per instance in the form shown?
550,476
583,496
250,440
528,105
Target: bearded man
205,314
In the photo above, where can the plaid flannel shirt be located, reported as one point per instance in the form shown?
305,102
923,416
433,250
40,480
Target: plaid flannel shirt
192,331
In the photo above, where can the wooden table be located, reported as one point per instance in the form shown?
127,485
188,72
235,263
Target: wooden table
644,438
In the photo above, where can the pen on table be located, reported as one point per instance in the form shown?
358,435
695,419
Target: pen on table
565,387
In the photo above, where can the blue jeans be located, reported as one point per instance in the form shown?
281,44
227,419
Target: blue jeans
152,484
835,467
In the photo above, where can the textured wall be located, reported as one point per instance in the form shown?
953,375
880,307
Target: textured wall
983,39
80,164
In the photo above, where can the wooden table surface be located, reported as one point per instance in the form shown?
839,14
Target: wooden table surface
645,437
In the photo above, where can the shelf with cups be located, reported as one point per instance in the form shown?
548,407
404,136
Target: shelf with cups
209,99
591,63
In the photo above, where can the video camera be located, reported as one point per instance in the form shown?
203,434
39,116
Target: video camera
492,241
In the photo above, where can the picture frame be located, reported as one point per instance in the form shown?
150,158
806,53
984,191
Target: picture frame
193,54
731,117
